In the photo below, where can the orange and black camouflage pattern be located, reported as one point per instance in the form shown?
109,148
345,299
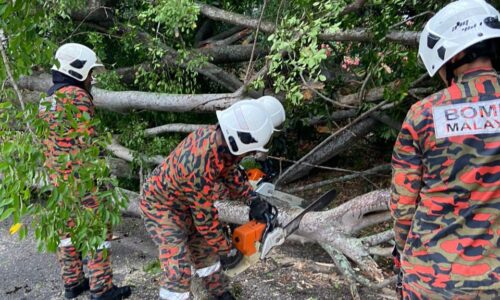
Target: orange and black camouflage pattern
62,140
179,211
446,192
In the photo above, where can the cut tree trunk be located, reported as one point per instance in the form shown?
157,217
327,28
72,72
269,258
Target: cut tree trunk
335,227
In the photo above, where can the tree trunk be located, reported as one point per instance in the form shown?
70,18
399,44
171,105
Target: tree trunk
335,227
409,38
326,151
133,100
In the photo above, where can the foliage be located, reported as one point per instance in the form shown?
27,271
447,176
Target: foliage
299,62
304,56
176,16
32,188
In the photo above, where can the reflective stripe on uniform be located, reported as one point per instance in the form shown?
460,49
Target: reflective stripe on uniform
169,295
105,245
204,272
65,243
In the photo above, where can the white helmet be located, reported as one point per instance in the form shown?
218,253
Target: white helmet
456,27
76,61
246,127
274,108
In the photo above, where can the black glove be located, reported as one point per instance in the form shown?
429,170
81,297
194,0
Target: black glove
258,209
231,259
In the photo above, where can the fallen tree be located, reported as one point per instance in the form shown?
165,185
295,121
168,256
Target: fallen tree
335,229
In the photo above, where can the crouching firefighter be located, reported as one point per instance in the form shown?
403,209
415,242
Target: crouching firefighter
178,199
72,84
446,163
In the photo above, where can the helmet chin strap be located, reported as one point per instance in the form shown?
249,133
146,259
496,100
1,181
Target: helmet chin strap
451,67
481,50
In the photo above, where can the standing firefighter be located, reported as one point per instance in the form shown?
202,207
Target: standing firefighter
446,163
72,84
178,202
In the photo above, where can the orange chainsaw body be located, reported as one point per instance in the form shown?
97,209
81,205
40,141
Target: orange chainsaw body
245,237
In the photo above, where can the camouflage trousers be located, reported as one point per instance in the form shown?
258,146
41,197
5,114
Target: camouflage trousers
99,266
181,247
415,290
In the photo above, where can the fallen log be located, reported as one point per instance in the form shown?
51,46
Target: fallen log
129,100
335,228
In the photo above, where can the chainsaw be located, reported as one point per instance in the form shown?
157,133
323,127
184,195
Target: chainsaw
267,235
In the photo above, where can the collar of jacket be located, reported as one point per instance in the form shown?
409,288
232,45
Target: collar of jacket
61,80
474,73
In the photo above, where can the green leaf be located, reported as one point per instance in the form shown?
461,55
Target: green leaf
7,213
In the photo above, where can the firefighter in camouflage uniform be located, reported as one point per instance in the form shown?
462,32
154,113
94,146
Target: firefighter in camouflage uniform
446,163
179,196
72,85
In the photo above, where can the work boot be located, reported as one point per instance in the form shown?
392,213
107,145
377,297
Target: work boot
115,293
226,296
75,291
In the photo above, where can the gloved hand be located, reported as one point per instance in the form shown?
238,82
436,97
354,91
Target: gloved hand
231,259
258,208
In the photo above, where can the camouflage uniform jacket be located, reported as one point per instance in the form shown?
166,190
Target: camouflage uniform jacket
63,137
446,186
198,172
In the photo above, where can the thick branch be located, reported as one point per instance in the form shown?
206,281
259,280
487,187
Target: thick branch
184,128
355,6
378,238
409,38
325,227
329,148
356,35
373,171
234,18
6,63
127,155
377,94
129,100
232,54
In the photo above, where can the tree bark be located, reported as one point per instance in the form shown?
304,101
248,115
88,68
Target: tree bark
409,38
128,155
326,151
377,94
335,227
184,128
372,171
130,100
232,53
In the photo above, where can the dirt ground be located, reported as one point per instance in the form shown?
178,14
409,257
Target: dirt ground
293,271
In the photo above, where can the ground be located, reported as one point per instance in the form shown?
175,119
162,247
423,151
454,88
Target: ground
294,271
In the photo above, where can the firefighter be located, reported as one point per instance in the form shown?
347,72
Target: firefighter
445,196
179,196
72,84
